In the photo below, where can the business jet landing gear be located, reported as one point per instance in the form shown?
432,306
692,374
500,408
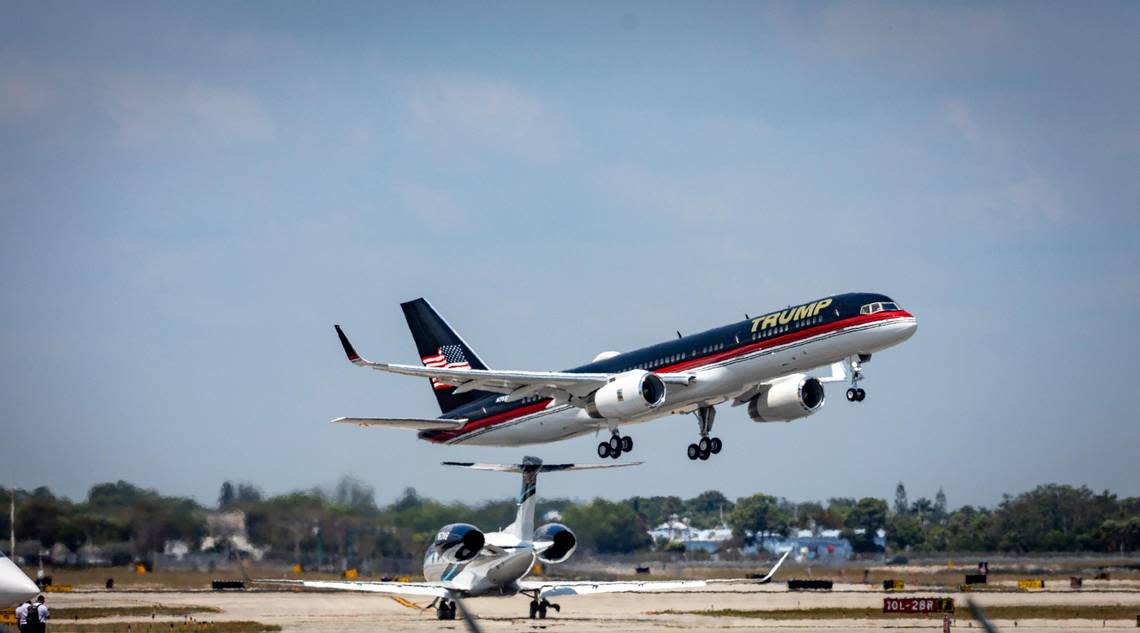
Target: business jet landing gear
855,393
616,445
538,608
445,610
707,446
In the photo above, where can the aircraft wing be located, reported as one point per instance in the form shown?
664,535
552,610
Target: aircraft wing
416,424
400,588
580,588
517,384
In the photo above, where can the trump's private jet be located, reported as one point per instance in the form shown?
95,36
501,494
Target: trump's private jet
763,363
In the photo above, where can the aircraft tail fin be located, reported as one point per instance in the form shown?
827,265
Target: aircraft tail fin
440,346
523,526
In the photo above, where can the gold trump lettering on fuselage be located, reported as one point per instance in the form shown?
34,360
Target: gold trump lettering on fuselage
805,311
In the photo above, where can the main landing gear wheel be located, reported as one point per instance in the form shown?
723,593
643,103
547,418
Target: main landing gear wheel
615,446
607,449
445,610
706,446
856,394
538,608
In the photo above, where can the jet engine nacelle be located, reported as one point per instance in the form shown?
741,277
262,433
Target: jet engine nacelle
554,543
627,395
458,542
796,396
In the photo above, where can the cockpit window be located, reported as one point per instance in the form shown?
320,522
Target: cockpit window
879,306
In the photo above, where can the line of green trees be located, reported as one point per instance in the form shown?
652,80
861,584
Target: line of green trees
345,523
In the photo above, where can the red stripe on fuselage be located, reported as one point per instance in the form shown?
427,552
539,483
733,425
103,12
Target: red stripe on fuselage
474,425
689,364
783,339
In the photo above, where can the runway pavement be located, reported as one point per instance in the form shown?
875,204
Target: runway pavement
299,612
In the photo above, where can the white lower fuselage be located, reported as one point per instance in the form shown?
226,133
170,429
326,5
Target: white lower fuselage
715,383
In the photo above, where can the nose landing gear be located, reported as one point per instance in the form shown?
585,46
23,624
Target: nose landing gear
855,393
706,446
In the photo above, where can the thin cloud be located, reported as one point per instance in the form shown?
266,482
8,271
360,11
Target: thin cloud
434,206
150,109
893,35
489,113
22,96
960,117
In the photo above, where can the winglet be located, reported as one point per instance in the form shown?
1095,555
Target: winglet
772,572
752,580
348,349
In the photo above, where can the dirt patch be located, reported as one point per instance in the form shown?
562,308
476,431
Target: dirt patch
90,613
241,626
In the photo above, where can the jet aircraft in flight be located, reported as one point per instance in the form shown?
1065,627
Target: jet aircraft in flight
761,362
464,562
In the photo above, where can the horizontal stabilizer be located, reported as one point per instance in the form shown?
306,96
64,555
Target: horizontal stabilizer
415,424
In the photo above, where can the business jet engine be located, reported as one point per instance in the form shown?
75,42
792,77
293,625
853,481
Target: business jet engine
626,395
554,543
791,397
458,542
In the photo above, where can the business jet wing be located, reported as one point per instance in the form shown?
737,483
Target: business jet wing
579,588
517,384
416,424
400,588
551,588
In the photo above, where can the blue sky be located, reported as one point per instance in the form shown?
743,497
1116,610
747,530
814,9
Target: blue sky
191,194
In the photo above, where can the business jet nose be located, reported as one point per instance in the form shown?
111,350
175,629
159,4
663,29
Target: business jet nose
15,587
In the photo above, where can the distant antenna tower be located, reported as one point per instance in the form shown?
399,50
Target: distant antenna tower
12,522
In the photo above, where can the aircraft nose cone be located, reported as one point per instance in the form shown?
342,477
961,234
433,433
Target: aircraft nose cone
15,587
909,326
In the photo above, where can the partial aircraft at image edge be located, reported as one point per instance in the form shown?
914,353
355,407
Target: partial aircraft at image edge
464,562
761,362
15,586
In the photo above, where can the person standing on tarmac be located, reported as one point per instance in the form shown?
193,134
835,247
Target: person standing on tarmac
42,615
22,616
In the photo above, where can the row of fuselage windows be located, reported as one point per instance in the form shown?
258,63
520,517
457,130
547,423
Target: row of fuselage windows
784,329
709,349
676,358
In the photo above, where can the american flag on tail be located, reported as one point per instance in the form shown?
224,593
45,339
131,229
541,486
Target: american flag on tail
446,357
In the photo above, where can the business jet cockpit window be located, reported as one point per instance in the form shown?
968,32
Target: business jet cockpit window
880,306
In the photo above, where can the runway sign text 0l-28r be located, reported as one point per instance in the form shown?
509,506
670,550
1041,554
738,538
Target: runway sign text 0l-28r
918,605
